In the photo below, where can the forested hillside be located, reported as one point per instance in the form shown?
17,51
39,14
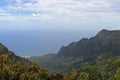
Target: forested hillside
104,69
85,50
97,58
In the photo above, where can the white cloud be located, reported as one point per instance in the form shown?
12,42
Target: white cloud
19,1
64,9
2,11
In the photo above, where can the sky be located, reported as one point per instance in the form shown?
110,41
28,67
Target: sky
36,18
72,14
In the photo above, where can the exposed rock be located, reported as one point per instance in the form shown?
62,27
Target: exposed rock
104,42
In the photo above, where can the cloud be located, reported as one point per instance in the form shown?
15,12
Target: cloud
3,13
75,10
1,10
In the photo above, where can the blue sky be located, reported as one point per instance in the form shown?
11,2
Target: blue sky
59,14
37,27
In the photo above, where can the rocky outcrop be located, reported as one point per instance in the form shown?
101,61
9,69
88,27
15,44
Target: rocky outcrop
104,42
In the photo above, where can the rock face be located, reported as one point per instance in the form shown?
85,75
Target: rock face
104,42
14,58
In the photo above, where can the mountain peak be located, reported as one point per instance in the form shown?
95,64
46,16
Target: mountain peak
103,32
104,42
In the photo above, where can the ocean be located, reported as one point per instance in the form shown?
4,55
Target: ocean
40,42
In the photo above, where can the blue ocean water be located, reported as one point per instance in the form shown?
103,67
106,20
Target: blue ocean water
40,42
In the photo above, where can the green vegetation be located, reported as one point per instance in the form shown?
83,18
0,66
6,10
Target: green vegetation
86,50
20,71
97,58
53,63
104,69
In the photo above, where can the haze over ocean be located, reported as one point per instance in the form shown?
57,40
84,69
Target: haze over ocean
40,42
37,27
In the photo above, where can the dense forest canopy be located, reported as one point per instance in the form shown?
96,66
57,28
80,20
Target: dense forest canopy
104,69
104,66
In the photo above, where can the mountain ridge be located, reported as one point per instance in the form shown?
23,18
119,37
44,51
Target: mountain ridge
14,58
94,44
85,50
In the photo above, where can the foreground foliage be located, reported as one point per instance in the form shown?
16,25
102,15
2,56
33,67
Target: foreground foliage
20,71
104,69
